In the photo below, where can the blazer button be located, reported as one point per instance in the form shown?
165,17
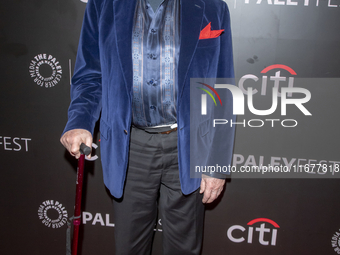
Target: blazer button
125,131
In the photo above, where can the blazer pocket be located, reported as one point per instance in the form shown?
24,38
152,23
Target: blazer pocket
212,42
104,129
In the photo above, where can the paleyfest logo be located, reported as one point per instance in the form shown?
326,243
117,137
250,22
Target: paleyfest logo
330,3
238,94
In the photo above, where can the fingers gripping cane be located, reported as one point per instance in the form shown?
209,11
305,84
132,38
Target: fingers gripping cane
84,150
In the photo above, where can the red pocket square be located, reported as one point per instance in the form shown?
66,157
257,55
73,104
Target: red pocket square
207,33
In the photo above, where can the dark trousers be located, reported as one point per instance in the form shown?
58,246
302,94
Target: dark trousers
153,180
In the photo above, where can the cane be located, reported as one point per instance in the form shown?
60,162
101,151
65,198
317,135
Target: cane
84,150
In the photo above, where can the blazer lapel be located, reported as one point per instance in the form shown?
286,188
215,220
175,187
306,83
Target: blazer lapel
191,22
123,11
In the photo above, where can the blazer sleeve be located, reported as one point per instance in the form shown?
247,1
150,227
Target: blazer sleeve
224,144
86,90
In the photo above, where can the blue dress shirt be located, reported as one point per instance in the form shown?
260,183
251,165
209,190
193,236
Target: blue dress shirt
155,52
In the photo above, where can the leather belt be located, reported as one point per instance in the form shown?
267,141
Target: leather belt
168,132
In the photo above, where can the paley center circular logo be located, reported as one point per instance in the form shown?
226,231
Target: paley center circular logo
52,214
336,242
45,70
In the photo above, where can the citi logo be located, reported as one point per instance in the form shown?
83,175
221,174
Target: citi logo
239,92
277,79
266,235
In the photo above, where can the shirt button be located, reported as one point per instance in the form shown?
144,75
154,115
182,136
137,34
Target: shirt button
153,30
152,56
152,107
152,82
125,131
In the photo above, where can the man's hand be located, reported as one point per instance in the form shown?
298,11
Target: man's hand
211,187
73,138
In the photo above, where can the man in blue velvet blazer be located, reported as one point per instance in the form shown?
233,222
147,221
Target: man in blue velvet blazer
103,78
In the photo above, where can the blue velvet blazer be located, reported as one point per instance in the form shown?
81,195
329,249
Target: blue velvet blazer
102,82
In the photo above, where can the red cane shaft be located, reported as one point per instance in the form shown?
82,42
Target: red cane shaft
77,208
75,240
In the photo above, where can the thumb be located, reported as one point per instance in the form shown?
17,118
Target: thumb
202,186
88,143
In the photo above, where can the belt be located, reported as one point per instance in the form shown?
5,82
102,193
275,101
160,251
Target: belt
161,130
168,132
